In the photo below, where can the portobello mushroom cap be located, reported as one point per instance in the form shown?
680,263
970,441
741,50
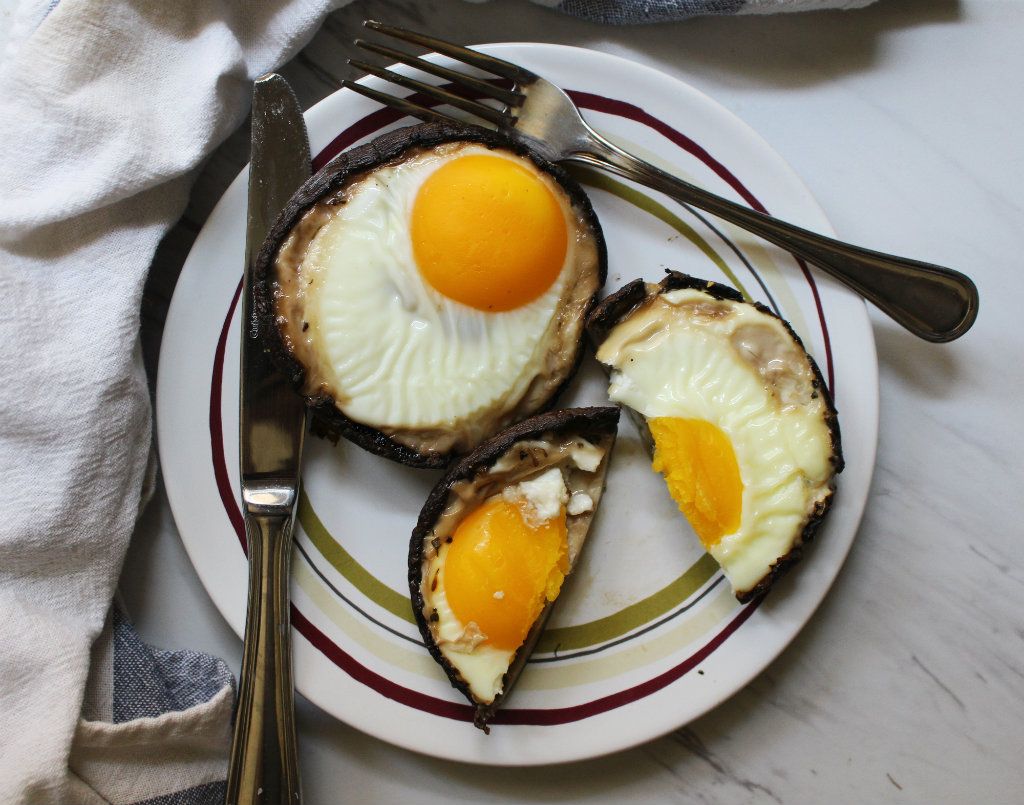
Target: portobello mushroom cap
520,453
282,330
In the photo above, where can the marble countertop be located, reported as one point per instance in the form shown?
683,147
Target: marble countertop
907,685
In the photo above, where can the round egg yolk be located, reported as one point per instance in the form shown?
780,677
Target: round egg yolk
699,465
488,232
499,570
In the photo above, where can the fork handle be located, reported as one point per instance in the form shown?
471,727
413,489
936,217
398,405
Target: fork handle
935,303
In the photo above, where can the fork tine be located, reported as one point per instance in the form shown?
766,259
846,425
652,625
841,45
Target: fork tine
484,88
486,112
471,57
400,104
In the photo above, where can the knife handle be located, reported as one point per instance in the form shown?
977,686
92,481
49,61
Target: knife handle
264,759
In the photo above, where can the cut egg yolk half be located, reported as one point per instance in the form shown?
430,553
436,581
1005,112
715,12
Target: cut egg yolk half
500,570
703,477
488,232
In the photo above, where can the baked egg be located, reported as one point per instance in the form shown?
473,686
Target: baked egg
430,288
738,418
495,541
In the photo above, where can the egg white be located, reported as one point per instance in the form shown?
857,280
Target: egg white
480,664
401,353
666,365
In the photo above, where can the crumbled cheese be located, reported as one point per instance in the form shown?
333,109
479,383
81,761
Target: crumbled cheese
467,641
586,456
544,496
580,502
499,594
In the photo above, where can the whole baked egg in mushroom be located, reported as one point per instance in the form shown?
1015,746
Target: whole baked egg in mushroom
737,416
430,288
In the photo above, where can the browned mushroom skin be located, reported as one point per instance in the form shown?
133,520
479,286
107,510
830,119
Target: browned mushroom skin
596,425
617,306
328,187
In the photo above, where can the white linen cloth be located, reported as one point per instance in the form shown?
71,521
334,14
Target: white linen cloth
106,109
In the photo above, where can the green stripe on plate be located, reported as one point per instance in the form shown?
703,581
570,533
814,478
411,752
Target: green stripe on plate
662,213
566,638
342,561
632,617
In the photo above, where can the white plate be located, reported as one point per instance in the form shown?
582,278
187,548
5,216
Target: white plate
646,636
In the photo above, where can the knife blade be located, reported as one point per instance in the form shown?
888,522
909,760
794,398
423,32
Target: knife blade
263,764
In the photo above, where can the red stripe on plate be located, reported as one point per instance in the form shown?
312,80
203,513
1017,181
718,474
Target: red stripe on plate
220,467
824,329
610,106
622,109
522,716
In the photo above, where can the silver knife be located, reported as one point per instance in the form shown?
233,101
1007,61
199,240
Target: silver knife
264,759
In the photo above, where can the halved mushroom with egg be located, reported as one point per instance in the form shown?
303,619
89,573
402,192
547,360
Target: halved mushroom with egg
430,288
736,413
495,540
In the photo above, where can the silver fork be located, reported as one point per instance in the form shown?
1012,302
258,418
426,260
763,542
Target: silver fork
935,303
